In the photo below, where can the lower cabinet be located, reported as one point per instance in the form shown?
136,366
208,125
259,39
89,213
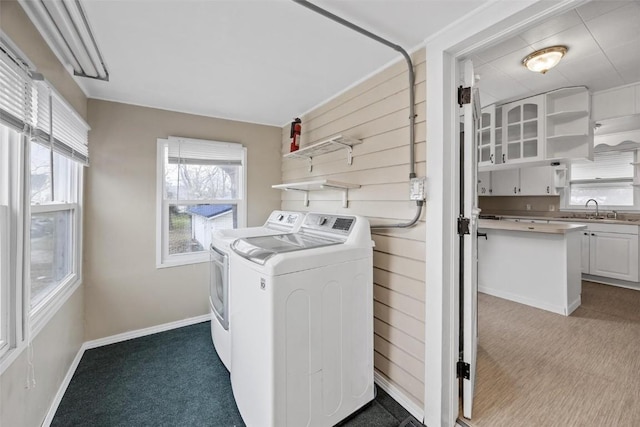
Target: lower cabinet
611,251
585,252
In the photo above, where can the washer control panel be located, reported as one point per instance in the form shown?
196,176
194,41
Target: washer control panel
330,223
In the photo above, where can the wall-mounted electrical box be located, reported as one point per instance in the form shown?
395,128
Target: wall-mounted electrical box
416,189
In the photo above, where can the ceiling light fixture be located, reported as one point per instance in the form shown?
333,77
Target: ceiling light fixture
545,59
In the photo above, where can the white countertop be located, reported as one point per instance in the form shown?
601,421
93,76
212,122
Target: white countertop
491,224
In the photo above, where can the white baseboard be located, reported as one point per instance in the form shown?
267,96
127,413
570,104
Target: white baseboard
399,396
63,387
574,305
146,331
112,340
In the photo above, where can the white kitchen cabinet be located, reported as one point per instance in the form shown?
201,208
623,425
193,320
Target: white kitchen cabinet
484,184
485,138
505,182
613,255
569,131
538,181
585,251
523,130
617,102
529,181
611,251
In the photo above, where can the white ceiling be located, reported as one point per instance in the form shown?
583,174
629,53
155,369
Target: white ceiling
261,61
603,38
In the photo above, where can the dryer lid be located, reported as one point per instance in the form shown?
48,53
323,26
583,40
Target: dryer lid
260,249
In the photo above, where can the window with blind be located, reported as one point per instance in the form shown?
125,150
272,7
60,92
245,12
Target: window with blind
201,189
43,148
608,179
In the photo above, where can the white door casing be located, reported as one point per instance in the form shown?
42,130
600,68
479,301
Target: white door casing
470,254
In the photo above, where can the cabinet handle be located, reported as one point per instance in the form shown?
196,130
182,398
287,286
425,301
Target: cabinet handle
592,234
491,158
514,190
503,161
518,190
586,234
547,189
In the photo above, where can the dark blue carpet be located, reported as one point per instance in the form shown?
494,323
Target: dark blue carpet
172,378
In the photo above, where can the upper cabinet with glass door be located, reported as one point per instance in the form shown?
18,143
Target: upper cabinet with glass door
523,128
489,136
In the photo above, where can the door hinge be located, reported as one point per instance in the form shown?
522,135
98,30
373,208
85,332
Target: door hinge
463,226
464,95
463,370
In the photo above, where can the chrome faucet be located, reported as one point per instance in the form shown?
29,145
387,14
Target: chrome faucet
586,205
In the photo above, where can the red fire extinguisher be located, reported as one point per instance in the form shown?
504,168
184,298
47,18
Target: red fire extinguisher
296,130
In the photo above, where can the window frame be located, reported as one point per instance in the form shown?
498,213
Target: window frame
565,195
163,258
41,312
5,318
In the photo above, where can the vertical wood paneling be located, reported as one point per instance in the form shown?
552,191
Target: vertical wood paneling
376,112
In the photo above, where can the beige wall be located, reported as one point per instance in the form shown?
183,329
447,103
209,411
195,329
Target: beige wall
54,349
124,290
377,112
15,23
59,341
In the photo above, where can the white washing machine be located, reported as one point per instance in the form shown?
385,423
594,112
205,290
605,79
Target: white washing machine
302,315
219,298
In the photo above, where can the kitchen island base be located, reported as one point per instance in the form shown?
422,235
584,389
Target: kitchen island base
531,266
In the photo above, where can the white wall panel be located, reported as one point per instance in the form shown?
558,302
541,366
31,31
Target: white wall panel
377,112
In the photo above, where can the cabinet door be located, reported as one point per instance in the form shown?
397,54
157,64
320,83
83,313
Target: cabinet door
537,181
523,129
485,139
585,252
484,183
614,255
505,182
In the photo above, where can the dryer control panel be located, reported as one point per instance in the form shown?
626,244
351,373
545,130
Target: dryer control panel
284,218
334,224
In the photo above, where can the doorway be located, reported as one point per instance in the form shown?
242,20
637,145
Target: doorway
444,53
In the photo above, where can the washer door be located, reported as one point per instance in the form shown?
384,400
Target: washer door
219,285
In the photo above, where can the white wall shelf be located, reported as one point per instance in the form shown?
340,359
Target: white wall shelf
338,142
318,185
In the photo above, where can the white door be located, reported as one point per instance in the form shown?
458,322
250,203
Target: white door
470,210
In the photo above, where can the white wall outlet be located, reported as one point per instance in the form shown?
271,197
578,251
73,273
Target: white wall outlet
552,208
528,207
416,189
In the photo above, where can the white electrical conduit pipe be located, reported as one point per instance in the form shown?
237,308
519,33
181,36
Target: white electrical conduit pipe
412,81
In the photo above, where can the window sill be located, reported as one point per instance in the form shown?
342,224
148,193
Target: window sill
40,317
177,261
48,307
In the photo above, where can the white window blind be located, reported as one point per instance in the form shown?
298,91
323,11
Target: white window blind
42,128
193,151
70,132
16,93
609,165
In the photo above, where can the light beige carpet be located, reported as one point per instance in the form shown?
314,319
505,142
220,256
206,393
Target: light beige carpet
537,368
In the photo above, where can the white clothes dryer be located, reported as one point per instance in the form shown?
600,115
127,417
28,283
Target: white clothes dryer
219,297
302,315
